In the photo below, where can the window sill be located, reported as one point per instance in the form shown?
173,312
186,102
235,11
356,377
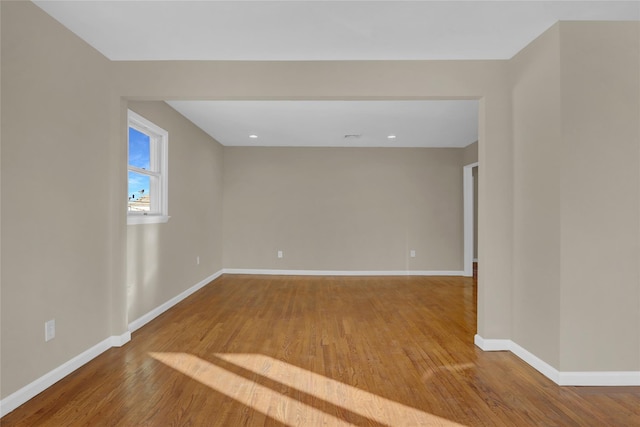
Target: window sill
147,219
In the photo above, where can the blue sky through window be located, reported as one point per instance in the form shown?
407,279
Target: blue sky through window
138,185
139,156
139,149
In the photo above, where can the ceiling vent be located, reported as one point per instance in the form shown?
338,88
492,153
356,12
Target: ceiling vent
353,136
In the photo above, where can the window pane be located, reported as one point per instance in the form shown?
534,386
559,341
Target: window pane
139,149
139,194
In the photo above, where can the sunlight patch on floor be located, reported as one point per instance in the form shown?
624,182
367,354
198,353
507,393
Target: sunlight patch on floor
262,399
285,409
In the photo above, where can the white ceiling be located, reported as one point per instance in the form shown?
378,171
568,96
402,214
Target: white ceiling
325,123
325,30
321,30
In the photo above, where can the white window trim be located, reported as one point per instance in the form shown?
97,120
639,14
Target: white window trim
136,219
138,122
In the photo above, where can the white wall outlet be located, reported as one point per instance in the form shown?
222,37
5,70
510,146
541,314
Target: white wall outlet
49,330
198,260
412,253
280,254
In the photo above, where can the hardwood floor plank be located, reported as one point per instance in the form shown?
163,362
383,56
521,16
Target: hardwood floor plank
306,351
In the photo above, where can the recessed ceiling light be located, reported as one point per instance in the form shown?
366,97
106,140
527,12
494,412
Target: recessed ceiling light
391,137
253,136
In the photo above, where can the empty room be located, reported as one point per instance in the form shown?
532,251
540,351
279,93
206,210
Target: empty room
300,213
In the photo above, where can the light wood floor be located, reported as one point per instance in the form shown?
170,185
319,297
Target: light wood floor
309,351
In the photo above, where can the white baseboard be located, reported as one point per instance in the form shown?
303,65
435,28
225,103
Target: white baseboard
492,344
119,341
536,363
146,318
615,378
567,378
342,272
27,392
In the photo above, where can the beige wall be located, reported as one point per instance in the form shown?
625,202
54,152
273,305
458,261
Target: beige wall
343,209
600,176
576,162
161,258
55,178
537,163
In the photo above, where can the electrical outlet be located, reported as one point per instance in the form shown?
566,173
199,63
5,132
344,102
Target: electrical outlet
412,253
280,254
49,330
198,260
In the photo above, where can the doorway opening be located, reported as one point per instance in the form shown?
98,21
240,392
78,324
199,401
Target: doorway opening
470,214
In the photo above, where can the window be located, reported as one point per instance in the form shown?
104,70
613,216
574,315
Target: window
147,171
